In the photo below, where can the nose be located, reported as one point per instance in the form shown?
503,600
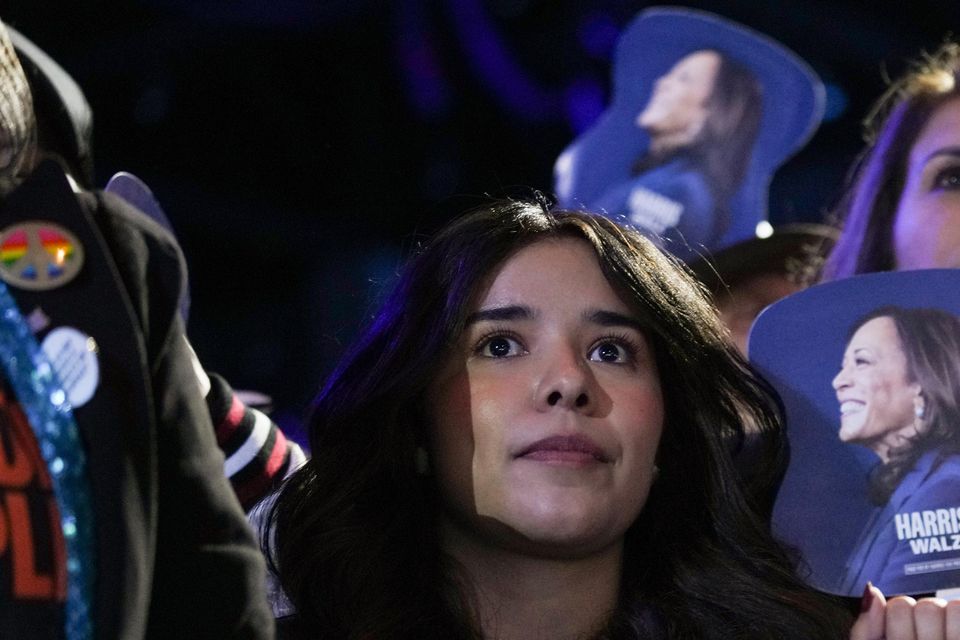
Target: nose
841,380
566,382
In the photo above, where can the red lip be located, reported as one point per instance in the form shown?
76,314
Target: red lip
563,449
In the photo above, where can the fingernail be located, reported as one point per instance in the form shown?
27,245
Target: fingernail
867,600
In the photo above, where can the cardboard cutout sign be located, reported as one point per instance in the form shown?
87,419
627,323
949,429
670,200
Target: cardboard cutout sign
136,192
703,111
869,372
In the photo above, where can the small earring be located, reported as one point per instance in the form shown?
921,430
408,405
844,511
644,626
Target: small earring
422,462
918,407
656,472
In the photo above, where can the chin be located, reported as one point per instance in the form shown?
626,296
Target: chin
569,528
647,120
846,436
561,540
849,435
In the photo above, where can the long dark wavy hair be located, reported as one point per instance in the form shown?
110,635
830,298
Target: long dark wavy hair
721,150
355,532
869,205
930,339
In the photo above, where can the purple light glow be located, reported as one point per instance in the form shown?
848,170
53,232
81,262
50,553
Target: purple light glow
598,35
420,66
490,59
583,103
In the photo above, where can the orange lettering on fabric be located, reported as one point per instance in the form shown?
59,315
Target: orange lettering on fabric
22,467
4,532
22,462
27,583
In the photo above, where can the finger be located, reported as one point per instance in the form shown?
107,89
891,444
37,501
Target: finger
929,618
870,623
899,619
952,616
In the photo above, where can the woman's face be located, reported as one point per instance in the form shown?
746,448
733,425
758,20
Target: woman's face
546,418
875,396
926,229
678,105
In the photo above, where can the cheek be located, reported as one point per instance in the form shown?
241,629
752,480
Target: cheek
696,117
926,231
466,433
450,429
890,406
640,422
912,240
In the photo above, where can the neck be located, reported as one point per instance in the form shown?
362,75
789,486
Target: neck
517,596
666,143
893,440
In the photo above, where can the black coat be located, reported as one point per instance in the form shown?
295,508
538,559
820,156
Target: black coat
175,557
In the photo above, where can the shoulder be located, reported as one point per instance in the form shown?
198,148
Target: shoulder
147,259
678,176
935,484
944,474
938,471
127,229
676,182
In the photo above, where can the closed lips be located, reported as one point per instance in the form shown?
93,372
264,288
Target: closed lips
564,445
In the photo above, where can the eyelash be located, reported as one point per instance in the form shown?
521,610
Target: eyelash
498,332
947,179
628,344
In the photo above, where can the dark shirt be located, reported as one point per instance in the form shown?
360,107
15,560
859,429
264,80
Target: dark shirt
32,552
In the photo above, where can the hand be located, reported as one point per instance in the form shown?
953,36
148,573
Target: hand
903,618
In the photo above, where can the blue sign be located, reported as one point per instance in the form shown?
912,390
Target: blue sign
703,112
869,372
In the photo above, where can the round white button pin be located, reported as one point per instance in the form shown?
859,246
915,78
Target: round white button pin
73,355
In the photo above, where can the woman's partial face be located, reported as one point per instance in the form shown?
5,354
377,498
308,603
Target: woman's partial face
926,229
546,418
875,396
678,104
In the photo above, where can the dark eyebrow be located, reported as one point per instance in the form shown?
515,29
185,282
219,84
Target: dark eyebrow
945,151
513,312
614,319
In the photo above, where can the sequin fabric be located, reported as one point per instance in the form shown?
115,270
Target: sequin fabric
45,404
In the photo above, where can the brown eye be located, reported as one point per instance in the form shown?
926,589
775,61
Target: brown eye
499,347
609,352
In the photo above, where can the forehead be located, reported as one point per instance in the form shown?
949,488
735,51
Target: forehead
704,61
942,130
878,333
552,274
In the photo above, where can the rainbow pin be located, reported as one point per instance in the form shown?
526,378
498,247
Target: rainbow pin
39,255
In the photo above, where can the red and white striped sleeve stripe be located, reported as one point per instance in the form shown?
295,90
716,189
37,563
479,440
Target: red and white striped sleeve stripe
258,455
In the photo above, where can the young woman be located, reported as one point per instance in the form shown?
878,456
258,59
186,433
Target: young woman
903,208
531,440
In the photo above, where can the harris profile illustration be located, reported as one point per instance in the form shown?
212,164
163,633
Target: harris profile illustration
703,111
872,488
897,394
702,120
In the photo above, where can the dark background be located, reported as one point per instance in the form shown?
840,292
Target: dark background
300,147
